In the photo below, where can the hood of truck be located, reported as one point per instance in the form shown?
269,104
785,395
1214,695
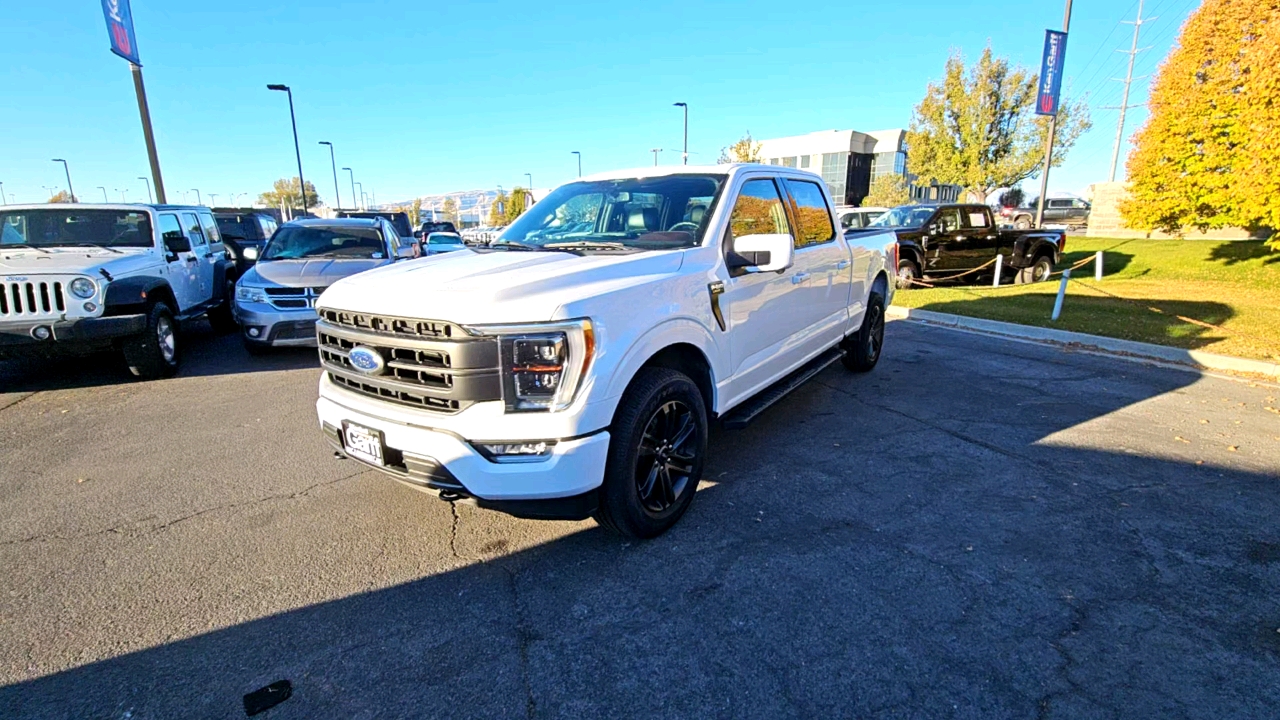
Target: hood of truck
75,261
317,272
470,287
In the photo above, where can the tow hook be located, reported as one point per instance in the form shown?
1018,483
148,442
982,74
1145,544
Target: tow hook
450,495
337,455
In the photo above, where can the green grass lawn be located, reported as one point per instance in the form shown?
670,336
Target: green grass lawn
1151,291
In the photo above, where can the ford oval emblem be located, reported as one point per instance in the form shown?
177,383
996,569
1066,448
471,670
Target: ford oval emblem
366,360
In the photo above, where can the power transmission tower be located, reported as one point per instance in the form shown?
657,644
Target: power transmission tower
1124,106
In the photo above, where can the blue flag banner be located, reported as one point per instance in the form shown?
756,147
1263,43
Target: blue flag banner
120,29
1055,55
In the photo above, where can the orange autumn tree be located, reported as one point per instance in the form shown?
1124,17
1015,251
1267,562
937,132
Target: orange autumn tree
1207,155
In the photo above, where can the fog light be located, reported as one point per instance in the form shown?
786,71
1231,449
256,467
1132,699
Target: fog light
41,332
516,451
254,332
90,307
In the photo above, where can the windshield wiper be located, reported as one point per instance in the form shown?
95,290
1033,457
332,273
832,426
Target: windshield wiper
587,245
514,245
24,245
100,247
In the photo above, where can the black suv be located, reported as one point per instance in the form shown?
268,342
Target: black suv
244,234
398,220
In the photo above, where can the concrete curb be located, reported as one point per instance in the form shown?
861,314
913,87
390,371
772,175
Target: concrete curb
1127,348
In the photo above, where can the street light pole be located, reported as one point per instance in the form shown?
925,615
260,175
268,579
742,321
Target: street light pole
530,176
575,152
3,200
360,198
302,184
213,199
122,192
68,171
104,194
353,186
334,163
51,191
1048,144
199,200
655,152
685,156
148,182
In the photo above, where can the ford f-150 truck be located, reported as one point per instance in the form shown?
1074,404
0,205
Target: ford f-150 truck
571,369
947,241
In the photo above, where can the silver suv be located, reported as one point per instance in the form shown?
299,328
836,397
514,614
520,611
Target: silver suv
275,300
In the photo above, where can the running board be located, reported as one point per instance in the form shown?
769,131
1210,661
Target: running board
745,413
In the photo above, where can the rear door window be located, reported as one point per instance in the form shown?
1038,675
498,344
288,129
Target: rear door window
210,229
809,208
194,232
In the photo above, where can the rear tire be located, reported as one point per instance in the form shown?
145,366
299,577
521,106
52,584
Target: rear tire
863,348
154,353
221,318
1038,271
1022,223
657,444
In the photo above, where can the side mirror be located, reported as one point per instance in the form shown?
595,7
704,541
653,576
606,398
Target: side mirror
176,243
761,253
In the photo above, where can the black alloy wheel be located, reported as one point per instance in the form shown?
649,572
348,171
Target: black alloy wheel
667,457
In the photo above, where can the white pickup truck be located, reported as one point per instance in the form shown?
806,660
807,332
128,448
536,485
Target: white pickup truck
572,368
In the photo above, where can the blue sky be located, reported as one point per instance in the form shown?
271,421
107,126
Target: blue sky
422,98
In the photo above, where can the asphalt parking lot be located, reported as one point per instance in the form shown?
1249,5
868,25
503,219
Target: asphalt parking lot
978,529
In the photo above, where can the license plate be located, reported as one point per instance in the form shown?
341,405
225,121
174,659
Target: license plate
363,443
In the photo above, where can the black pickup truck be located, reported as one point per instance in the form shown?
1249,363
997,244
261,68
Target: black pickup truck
945,241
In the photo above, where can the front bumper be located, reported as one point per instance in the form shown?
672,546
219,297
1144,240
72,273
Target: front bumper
17,337
444,462
279,328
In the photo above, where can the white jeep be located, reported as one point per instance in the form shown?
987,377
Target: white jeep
81,278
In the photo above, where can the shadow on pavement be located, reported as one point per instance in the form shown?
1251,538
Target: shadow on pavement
923,541
204,353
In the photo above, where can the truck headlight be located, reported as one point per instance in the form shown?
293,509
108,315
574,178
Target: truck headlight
250,253
542,365
245,293
83,288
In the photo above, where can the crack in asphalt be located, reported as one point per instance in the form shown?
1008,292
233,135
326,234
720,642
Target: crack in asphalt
523,637
17,402
453,532
130,527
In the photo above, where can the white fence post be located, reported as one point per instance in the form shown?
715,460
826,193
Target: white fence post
995,282
1097,266
1062,291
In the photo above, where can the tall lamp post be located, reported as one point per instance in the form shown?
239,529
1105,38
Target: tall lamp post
104,194
122,192
1053,130
302,184
360,198
353,185
199,200
685,156
51,191
530,176
213,199
3,199
655,152
68,171
575,152
148,182
334,163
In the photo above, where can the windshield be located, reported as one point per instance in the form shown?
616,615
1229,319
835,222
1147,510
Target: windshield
313,241
68,227
658,213
908,216
438,239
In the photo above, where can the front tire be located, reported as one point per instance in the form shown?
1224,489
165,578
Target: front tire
656,450
1038,271
154,353
862,349
908,274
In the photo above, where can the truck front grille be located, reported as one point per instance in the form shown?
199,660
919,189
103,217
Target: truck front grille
31,300
441,375
394,325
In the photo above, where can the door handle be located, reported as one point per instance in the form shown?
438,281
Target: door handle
799,278
842,264
192,258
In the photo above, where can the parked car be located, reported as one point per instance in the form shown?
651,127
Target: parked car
856,218
244,234
275,301
398,220
573,368
1072,212
442,242
81,278
944,241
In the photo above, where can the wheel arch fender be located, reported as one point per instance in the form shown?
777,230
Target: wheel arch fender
911,250
132,295
680,344
224,270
